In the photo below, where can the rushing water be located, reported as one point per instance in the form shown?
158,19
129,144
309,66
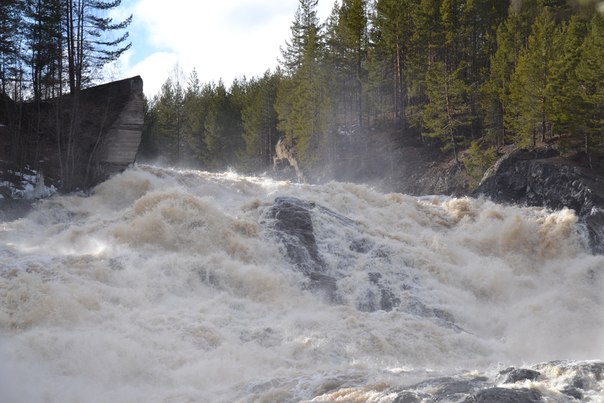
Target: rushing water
170,286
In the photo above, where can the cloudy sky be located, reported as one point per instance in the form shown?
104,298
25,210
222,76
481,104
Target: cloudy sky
219,38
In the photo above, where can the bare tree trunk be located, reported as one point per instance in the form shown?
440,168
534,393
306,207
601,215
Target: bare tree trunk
70,46
450,121
59,134
92,156
543,120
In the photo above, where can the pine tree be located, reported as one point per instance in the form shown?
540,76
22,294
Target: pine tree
352,33
529,101
566,110
43,36
447,110
223,128
259,120
11,32
479,21
302,102
392,28
512,36
590,76
195,110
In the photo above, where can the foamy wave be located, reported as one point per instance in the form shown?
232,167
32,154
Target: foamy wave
167,285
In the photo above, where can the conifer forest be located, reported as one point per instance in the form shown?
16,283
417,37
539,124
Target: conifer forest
470,75
466,77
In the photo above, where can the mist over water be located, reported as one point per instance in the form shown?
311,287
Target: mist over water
170,286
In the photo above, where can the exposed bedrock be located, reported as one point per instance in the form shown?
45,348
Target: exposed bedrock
542,178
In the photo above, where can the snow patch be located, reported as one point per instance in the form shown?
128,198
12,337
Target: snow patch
27,185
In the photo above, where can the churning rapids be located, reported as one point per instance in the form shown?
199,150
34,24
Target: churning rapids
186,286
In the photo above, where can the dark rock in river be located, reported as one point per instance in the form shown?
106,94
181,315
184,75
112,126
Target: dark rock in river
11,209
291,219
378,295
312,235
556,381
447,389
542,178
503,395
513,375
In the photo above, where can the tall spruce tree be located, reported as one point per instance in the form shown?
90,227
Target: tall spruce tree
528,111
302,101
447,109
259,120
566,109
168,105
392,28
223,128
196,105
590,76
512,36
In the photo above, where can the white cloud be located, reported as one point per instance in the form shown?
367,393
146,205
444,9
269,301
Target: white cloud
154,69
221,39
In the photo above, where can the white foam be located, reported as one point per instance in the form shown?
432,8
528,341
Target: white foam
163,286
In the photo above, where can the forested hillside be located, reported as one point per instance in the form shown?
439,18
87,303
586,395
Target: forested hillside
453,74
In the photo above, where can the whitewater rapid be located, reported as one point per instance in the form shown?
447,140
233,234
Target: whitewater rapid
169,286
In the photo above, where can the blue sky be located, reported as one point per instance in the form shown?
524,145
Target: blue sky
225,39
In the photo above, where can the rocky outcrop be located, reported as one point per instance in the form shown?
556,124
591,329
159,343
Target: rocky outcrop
543,178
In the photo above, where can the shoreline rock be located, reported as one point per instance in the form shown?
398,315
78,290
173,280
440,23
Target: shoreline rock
542,178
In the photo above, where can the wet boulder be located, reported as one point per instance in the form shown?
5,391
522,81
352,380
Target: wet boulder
513,375
291,221
504,395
